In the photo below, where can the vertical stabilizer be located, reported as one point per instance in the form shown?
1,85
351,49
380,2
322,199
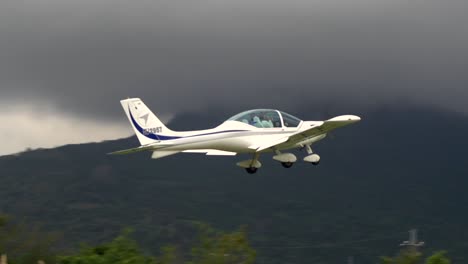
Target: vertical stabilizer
146,125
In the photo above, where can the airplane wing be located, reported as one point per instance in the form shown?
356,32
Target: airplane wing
211,152
323,128
270,144
317,129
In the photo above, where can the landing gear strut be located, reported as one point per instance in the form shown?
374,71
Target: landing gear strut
312,158
251,165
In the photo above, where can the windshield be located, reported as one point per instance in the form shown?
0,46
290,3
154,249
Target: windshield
290,120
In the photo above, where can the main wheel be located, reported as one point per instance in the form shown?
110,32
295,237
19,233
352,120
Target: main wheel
313,158
287,164
251,170
315,163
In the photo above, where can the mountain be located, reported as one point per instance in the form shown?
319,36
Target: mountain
395,170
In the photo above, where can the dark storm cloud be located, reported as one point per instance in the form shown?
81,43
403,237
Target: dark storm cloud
83,56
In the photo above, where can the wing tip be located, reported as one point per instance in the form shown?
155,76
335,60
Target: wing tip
346,118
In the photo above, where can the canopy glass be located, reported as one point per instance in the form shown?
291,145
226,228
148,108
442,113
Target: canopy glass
266,118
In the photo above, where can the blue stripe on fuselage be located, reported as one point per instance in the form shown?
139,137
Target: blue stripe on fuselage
162,137
148,135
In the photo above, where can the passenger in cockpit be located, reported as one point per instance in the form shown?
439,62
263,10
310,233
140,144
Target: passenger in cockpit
266,122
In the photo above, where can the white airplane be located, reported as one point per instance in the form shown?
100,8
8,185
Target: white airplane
254,131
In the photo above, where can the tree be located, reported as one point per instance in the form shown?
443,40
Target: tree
25,243
408,256
386,260
438,258
411,256
212,247
3,220
121,250
222,248
169,256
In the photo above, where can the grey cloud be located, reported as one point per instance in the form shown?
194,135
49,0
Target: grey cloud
83,56
42,130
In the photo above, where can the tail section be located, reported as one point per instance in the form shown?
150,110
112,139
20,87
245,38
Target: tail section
146,125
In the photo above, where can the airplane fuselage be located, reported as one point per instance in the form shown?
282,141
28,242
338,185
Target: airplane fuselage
234,136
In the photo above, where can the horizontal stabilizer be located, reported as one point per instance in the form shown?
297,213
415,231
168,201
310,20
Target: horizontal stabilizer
132,150
163,153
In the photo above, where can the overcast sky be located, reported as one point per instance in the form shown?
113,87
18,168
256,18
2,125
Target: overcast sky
64,64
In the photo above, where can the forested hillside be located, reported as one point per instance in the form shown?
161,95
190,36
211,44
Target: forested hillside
395,170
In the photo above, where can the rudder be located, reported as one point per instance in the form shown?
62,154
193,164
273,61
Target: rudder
146,125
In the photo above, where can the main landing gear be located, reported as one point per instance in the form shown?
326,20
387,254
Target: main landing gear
314,159
286,159
251,165
251,170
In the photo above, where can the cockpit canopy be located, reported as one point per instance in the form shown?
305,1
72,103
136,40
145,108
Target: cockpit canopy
266,118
